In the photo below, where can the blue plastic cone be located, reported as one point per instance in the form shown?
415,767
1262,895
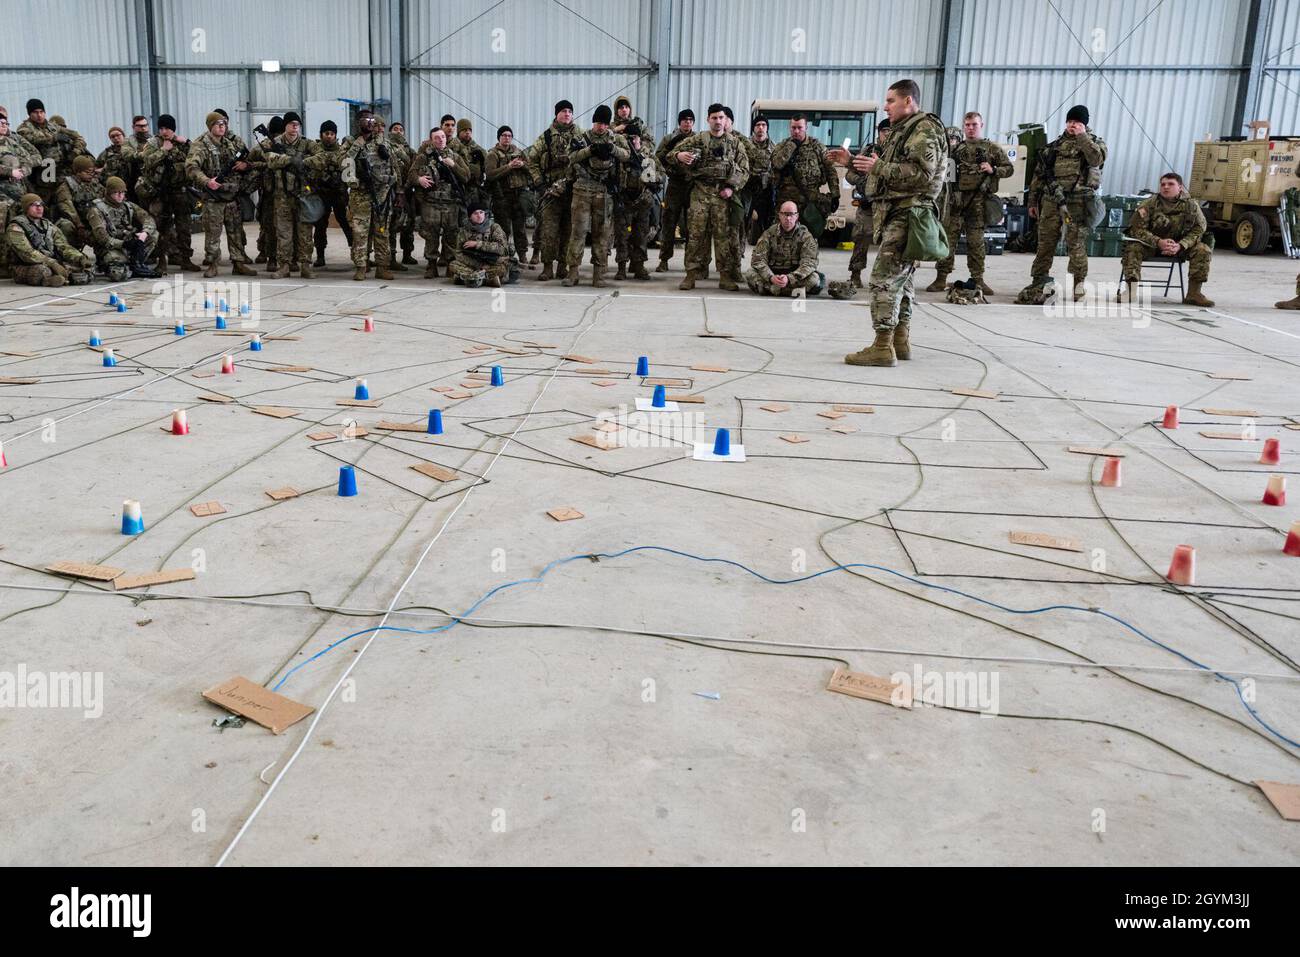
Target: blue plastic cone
112,299
347,480
221,305
207,303
435,422
180,327
363,390
94,338
109,358
660,399
498,377
722,442
132,518
256,344
121,306
643,365
221,322
245,309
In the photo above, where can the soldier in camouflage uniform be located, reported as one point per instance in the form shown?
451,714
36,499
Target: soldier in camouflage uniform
71,145
17,160
508,179
41,255
719,167
483,251
979,164
637,179
594,159
784,260
208,155
368,170
401,222
439,175
120,158
1170,223
862,219
139,132
124,234
163,187
475,158
325,173
1068,175
756,197
265,179
285,158
677,194
73,197
801,168
548,162
44,138
909,172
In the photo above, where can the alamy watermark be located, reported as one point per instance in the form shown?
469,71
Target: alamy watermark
53,689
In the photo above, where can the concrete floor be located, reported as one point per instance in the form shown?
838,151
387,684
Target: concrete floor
538,745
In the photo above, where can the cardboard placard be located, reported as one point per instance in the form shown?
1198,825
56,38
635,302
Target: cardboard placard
296,315
479,376
1284,797
859,684
203,375
863,409
794,439
697,399
668,383
258,704
275,411
214,397
444,388
204,509
1234,436
564,514
472,384
706,368
99,573
1233,413
153,578
576,358
1044,540
458,394
830,414
976,393
362,403
842,429
280,494
17,380
281,338
402,426
21,355
775,407
589,371
606,383
288,369
595,441
435,471
321,436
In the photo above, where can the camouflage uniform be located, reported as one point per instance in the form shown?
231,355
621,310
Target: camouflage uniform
720,162
470,270
756,197
636,196
507,187
113,225
593,169
1075,167
966,201
71,145
325,173
1157,218
475,158
910,172
15,155
368,169
863,226
401,224
677,196
778,252
285,160
162,186
36,246
72,199
441,205
44,139
548,159
207,155
801,169
122,161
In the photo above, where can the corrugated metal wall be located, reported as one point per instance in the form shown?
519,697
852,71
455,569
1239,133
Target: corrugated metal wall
1173,69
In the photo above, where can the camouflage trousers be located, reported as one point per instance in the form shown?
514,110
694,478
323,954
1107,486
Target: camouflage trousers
508,210
336,202
713,219
7,206
78,237
266,233
117,257
892,291
30,275
676,205
811,285
554,225
171,213
966,212
1198,257
759,213
367,227
471,273
632,228
1049,233
590,211
402,226
862,229
215,216
439,222
292,237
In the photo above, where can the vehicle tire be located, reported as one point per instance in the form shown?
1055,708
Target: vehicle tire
1251,234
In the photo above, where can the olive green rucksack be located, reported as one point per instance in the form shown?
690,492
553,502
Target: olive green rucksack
926,240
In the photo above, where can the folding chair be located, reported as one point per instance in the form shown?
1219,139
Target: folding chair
1169,264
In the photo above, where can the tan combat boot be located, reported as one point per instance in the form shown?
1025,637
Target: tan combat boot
1194,296
903,340
242,269
940,283
688,282
571,277
210,272
360,274
382,272
282,272
728,282
855,278
546,273
984,287
1288,303
1080,290
597,276
431,270
306,271
621,275
879,353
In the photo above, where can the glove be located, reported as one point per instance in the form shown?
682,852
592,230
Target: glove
382,150
299,164
602,150
555,190
57,268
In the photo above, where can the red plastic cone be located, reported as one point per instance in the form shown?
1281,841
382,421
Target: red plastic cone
1111,473
180,422
1272,453
227,364
368,324
1182,570
1275,493
1171,418
1292,546
3,463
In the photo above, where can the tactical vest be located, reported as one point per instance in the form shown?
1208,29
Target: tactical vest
968,156
717,158
379,174
331,165
11,158
83,194
443,190
39,235
118,220
515,178
1069,167
894,150
559,143
595,168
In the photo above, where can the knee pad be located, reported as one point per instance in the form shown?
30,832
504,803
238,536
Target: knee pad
118,272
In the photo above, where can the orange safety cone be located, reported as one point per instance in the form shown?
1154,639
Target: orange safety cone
1171,417
180,422
1182,570
1272,453
1275,492
1111,473
1292,546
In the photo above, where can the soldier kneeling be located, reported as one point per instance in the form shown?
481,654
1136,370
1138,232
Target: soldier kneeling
125,235
1169,224
42,254
482,252
785,258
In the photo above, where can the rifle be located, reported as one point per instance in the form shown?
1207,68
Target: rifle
229,167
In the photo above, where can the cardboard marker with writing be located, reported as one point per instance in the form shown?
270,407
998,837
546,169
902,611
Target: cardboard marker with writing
258,704
859,684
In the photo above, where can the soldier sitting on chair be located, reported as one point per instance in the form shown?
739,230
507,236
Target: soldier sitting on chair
1169,223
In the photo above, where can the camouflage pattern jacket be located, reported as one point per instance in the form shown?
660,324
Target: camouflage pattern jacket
162,172
15,155
492,245
37,241
74,196
1071,162
475,158
666,154
720,160
371,166
595,157
1157,218
113,224
780,253
207,156
760,163
325,168
444,190
122,161
802,168
912,164
501,179
968,156
548,157
285,162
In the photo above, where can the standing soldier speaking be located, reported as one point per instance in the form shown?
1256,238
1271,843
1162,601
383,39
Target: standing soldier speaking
211,156
980,163
1064,186
904,181
719,166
